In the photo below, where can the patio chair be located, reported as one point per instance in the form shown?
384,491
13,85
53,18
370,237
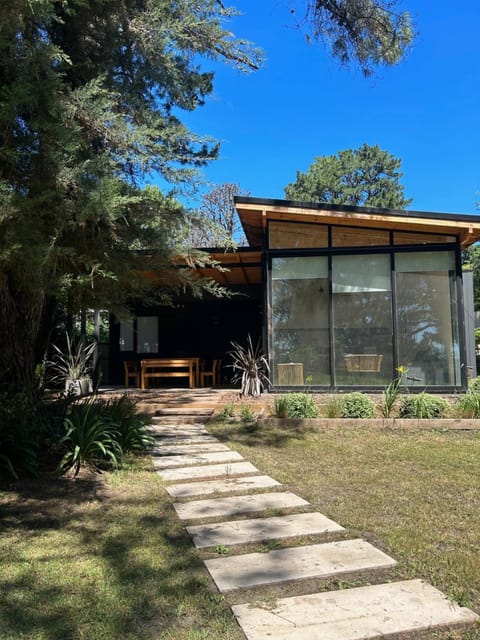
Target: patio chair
213,374
131,373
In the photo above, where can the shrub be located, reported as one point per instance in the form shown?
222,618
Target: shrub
90,439
474,385
130,426
296,405
422,405
228,411
246,414
23,425
356,405
468,406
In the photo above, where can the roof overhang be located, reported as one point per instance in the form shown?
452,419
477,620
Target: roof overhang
254,214
237,268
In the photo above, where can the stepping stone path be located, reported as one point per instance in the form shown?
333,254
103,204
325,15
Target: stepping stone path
183,455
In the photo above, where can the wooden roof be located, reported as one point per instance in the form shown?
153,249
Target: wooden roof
255,212
238,268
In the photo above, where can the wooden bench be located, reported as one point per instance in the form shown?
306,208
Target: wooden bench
168,368
363,362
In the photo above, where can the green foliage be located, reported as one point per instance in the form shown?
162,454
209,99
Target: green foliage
422,405
228,411
130,426
72,363
468,406
356,405
334,408
91,94
250,367
90,439
19,435
391,392
366,176
474,384
367,32
296,405
246,414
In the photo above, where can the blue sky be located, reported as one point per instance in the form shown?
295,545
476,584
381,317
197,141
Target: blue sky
302,104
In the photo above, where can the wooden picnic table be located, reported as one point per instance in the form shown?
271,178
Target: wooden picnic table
170,368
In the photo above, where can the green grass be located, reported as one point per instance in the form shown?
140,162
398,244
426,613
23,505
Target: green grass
415,495
103,557
106,558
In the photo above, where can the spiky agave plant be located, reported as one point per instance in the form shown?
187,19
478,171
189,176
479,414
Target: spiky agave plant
74,362
250,368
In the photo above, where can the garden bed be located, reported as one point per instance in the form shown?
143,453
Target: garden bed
409,424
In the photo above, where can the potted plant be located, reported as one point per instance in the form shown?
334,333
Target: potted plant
72,366
250,368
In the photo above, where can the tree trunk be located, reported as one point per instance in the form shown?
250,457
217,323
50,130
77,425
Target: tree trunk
20,318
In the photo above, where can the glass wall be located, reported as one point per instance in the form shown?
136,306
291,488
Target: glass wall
427,318
300,321
363,307
362,319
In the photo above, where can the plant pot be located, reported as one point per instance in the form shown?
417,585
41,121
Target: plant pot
78,386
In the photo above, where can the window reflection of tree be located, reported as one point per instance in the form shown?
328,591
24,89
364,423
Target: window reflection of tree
427,332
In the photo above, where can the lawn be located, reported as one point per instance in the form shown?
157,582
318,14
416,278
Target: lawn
105,557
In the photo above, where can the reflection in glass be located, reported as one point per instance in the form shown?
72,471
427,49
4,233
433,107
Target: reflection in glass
427,322
126,336
300,335
147,334
362,318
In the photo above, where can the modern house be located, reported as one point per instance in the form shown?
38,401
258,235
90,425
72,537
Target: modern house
340,296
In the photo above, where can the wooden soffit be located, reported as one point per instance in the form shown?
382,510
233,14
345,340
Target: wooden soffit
237,268
254,214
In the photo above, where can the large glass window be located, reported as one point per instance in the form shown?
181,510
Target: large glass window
300,319
362,319
147,334
427,317
126,336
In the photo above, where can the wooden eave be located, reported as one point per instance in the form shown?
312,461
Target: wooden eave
254,215
238,268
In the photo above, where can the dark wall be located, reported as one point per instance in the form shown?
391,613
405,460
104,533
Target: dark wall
203,328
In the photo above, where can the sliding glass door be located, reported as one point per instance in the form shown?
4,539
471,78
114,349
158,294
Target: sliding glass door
300,321
362,319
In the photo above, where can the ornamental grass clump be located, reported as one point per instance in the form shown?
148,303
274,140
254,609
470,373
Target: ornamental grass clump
468,406
356,405
296,405
423,405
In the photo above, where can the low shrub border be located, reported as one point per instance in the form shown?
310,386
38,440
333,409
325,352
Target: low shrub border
460,424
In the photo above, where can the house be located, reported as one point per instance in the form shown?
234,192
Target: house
340,296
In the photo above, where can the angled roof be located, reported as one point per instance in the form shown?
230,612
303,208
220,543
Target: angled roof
255,212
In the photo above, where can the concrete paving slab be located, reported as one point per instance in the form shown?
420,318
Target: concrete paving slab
172,430
165,462
243,531
207,471
362,613
237,504
295,563
194,447
221,486
181,440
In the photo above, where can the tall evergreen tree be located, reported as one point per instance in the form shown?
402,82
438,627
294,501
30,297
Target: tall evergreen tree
367,176
91,93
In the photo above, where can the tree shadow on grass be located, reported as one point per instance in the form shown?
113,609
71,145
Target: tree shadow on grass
261,434
82,559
